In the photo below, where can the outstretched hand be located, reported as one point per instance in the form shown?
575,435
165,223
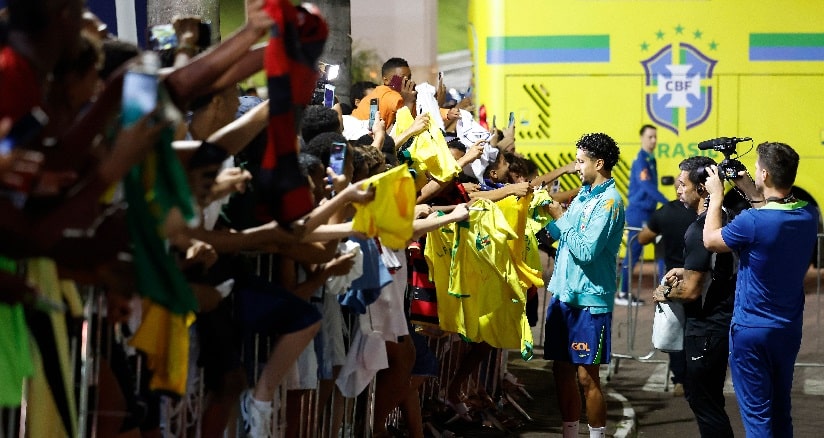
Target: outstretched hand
340,265
256,17
713,184
408,92
354,193
475,151
420,124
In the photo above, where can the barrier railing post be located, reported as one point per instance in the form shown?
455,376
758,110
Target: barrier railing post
633,291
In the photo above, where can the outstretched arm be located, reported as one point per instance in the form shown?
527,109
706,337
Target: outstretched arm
713,240
207,71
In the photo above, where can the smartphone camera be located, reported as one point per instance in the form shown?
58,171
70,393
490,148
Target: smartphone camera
337,157
396,83
373,112
140,89
328,95
324,93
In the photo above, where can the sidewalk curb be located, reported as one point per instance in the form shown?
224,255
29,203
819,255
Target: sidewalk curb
627,426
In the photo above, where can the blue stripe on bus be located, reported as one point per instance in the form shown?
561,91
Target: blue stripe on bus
547,56
786,53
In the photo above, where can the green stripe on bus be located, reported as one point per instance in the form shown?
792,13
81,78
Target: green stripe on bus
548,42
787,40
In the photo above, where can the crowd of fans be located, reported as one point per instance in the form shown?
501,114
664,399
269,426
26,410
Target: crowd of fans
208,217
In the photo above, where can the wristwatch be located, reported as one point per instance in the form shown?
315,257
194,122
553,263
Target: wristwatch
667,293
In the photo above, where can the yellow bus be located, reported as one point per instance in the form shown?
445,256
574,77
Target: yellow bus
696,69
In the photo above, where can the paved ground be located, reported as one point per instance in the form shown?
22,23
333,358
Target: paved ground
639,404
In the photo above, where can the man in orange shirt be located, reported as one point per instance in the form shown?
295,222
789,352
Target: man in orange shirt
392,95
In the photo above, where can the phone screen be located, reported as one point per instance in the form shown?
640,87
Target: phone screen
162,37
337,156
139,96
396,83
511,119
328,95
204,34
24,130
373,112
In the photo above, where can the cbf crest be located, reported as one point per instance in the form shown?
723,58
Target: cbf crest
678,83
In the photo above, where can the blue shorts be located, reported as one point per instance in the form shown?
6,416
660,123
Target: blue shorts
269,309
576,336
426,364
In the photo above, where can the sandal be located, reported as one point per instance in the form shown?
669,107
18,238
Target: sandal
460,409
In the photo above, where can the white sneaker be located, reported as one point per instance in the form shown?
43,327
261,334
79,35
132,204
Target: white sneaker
255,416
623,300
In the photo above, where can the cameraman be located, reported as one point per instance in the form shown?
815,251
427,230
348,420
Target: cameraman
774,244
706,287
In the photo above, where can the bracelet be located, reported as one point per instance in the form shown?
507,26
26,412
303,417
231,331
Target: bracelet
186,48
667,293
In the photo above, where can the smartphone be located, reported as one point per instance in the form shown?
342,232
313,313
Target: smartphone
440,77
162,37
204,34
396,83
494,122
511,119
328,95
139,95
24,130
373,112
337,157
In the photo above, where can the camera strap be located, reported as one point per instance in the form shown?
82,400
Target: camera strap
785,200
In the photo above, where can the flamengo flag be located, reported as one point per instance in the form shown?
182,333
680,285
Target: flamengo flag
296,41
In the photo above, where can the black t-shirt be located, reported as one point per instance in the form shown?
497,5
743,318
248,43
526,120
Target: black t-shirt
671,222
713,311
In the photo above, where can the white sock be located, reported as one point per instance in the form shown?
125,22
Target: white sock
597,432
262,406
570,429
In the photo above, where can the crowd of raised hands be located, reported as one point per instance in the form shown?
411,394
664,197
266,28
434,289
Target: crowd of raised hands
178,207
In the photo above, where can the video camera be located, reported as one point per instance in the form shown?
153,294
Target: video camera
730,167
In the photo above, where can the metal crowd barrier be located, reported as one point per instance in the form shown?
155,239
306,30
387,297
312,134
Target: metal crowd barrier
812,343
628,329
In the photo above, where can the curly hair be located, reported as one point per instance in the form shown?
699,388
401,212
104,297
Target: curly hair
696,168
599,145
316,120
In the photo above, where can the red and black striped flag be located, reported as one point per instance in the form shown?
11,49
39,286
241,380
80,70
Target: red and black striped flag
295,43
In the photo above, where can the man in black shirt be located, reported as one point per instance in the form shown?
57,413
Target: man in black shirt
706,284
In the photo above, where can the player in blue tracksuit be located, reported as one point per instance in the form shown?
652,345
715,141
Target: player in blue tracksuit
583,284
643,198
774,243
